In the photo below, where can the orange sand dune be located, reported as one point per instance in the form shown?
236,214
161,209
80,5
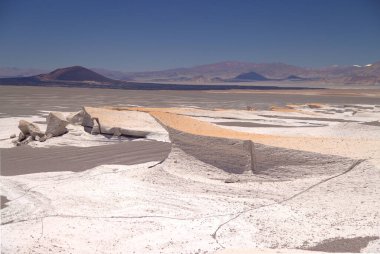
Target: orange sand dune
355,148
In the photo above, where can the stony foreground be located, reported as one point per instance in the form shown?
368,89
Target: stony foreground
307,180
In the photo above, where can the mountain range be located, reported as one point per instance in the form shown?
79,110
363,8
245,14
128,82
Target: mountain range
78,76
229,71
232,70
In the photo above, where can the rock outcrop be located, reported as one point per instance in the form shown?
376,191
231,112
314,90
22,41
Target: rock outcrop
29,132
56,124
117,123
76,118
29,129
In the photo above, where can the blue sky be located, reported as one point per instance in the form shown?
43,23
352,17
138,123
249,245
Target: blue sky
152,35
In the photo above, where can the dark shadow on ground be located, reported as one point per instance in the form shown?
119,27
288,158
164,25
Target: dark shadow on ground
4,201
28,160
353,245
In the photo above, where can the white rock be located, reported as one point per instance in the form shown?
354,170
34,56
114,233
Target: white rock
76,118
29,129
56,124
127,123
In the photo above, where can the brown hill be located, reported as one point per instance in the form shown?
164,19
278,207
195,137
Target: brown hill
74,73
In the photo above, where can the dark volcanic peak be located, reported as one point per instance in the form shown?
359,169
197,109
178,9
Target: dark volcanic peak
251,76
74,73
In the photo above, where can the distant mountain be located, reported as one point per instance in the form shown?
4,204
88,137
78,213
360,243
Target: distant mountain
295,78
223,70
250,76
78,76
226,71
218,73
75,76
6,72
119,75
74,73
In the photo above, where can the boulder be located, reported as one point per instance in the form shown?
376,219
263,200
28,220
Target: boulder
76,118
29,129
56,124
23,126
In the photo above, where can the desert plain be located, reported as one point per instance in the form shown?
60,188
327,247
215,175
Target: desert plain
273,171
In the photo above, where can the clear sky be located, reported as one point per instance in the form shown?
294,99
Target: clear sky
159,34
